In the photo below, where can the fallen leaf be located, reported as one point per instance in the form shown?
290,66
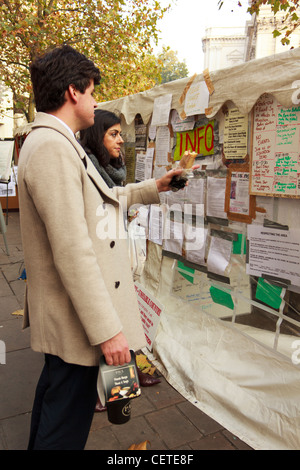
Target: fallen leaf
18,312
144,365
141,446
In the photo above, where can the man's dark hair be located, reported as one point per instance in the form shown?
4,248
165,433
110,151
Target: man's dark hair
53,72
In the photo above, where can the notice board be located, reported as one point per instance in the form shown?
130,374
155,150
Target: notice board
275,153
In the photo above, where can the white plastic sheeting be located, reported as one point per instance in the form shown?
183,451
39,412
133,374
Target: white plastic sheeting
228,371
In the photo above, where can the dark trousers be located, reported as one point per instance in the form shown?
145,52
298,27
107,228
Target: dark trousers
64,405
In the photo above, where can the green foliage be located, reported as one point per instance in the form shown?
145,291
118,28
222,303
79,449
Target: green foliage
170,67
115,34
290,21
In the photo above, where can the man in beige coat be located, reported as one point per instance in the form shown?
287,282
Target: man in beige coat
80,299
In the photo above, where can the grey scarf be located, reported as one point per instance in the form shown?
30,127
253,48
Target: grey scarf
111,175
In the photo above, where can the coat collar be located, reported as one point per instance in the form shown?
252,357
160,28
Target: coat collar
47,120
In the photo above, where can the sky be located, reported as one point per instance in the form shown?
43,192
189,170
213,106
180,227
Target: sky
183,27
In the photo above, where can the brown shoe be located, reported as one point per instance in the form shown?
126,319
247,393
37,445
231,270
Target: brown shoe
146,380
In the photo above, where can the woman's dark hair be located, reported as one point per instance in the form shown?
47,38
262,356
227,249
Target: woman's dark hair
92,138
53,72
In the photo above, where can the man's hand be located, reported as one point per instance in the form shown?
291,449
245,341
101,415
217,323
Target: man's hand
163,183
116,350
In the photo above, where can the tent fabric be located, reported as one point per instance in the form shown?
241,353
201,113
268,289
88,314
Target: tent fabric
242,84
250,389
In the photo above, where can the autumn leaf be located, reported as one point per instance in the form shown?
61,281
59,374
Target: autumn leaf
141,446
144,365
18,312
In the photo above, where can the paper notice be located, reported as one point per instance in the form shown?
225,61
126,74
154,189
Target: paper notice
239,193
195,191
156,221
216,188
219,255
173,236
274,253
162,146
195,243
235,135
140,167
197,98
180,125
161,110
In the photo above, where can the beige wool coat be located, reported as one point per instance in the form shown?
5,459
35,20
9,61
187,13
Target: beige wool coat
79,289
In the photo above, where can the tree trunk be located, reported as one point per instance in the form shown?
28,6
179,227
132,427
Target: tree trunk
31,108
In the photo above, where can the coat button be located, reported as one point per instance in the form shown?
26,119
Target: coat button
117,284
112,244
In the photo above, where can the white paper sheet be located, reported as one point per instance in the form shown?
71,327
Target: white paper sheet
173,236
140,167
161,110
195,244
180,125
197,98
274,252
216,197
219,255
156,220
149,163
195,190
162,145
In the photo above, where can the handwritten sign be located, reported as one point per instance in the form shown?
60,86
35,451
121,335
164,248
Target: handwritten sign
275,166
199,140
197,99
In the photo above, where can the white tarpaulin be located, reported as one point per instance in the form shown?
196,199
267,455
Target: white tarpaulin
229,371
242,84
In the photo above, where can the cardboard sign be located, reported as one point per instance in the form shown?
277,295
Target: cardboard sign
150,310
199,140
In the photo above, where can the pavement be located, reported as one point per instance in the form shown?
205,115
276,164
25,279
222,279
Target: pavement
161,415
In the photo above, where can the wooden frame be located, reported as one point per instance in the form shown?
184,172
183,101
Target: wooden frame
246,218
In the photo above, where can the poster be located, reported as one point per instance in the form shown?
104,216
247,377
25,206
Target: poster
239,193
275,165
239,204
274,253
235,143
150,310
